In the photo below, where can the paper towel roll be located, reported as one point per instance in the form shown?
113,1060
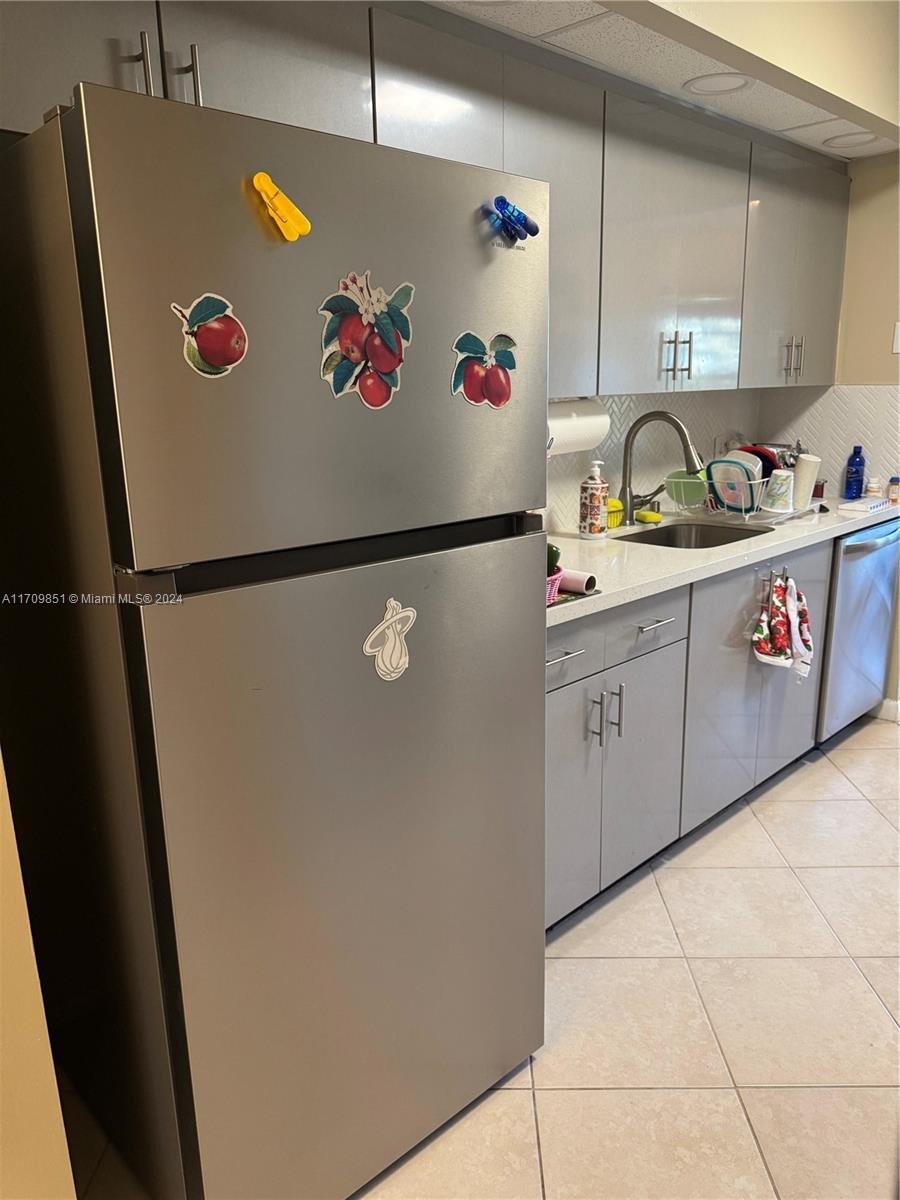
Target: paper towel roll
806,471
576,425
578,581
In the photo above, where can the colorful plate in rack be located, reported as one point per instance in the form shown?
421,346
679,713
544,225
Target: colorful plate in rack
766,457
731,482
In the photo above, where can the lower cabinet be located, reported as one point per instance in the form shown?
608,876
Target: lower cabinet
642,742
614,745
746,720
574,782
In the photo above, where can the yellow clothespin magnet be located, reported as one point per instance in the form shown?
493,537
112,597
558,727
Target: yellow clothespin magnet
287,216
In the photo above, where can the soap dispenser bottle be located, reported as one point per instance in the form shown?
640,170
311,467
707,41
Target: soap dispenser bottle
855,476
594,504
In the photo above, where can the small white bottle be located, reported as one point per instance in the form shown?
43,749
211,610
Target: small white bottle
594,504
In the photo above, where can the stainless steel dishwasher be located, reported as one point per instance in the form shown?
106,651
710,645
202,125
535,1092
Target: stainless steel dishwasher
861,618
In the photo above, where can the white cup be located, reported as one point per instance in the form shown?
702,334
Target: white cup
806,472
779,495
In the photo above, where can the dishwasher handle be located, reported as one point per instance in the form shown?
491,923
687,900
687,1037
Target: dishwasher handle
875,544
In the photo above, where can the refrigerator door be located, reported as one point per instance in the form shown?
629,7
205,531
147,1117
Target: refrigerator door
263,456
355,850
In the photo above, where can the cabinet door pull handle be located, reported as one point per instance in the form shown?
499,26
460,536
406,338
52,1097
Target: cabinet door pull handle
598,733
620,724
789,365
798,370
655,625
674,342
145,60
689,342
195,74
566,654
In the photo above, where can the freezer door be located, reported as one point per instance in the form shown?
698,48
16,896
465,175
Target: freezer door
262,455
354,828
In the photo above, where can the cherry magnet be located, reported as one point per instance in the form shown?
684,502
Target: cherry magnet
289,220
482,372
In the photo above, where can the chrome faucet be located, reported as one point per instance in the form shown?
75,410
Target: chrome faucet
692,460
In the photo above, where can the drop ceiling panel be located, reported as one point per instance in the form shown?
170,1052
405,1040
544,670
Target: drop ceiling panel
816,135
532,19
624,48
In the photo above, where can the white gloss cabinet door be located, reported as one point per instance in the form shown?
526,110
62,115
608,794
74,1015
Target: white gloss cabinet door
436,94
675,195
796,230
304,64
553,130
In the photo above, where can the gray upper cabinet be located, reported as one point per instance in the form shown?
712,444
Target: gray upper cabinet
47,48
674,221
435,93
796,230
641,785
553,130
304,64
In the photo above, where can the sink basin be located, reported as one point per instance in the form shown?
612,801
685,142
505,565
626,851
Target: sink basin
695,535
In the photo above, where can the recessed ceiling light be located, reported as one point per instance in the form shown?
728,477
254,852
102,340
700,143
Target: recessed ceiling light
848,140
720,84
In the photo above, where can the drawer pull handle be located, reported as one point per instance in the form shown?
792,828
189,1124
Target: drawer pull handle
655,625
566,654
598,733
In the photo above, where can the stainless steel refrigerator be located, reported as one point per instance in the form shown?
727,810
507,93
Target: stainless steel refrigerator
300,759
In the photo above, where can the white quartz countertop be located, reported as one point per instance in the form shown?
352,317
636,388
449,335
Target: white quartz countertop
631,570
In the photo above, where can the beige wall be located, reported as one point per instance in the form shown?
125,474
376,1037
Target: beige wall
870,303
846,47
34,1158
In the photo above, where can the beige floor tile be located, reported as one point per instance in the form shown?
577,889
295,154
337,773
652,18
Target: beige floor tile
114,1180
884,976
875,772
734,839
814,777
889,809
628,921
866,734
648,1145
518,1077
803,1021
745,911
827,1143
829,833
860,904
489,1152
86,1139
617,1022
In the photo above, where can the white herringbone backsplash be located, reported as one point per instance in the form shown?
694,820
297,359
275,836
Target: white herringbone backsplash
829,422
657,450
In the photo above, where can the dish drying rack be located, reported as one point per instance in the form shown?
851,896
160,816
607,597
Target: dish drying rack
740,501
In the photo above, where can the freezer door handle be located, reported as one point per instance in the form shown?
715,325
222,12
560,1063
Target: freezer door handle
874,544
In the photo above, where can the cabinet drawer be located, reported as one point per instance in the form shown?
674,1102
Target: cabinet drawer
575,650
645,625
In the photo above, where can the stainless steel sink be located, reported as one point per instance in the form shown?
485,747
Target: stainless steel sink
695,535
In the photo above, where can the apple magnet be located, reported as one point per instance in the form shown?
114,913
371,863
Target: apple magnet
482,372
214,339
372,332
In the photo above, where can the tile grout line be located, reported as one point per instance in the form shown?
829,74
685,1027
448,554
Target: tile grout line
722,1055
537,1134
840,940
